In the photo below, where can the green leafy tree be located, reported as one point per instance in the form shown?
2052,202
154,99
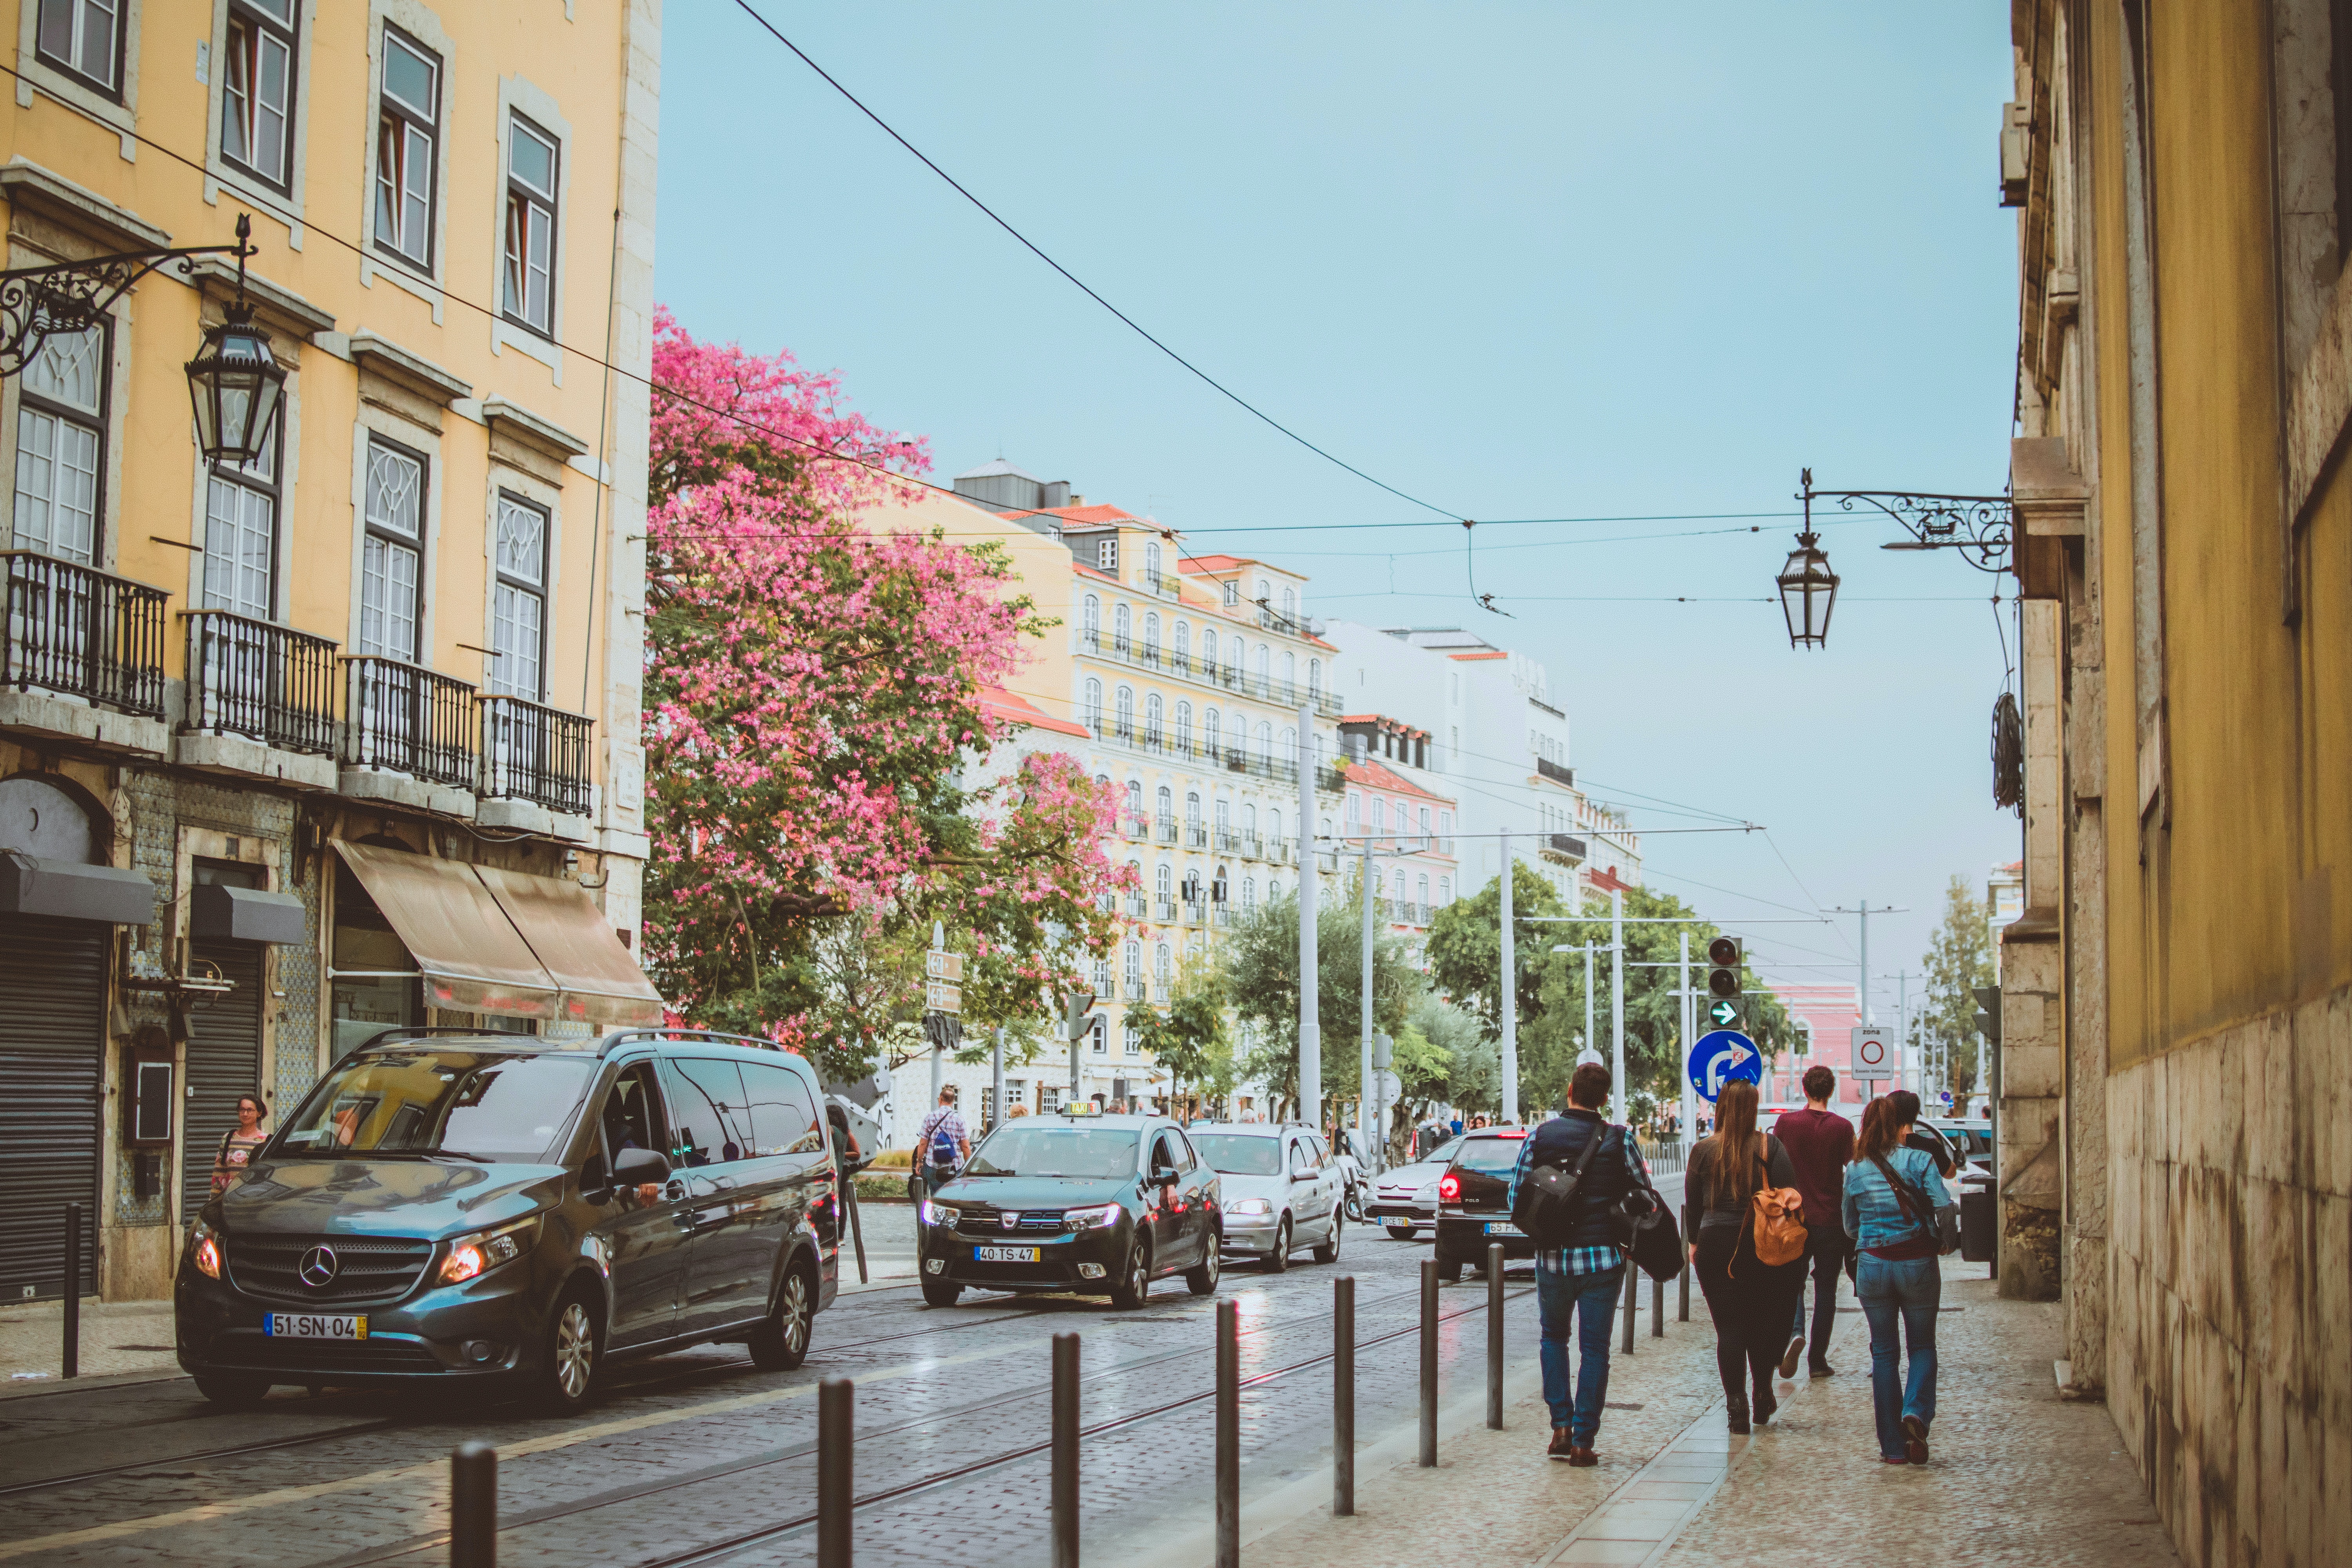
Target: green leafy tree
1465,947
1189,1036
1261,976
1958,960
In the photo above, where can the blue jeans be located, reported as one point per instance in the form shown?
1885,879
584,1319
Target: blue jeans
1561,1298
1906,1292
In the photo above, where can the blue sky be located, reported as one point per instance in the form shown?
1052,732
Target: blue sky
1520,261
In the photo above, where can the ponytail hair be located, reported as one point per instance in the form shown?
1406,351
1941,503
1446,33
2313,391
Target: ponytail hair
1878,1135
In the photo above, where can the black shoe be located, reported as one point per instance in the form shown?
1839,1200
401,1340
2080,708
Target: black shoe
1793,1354
1820,1369
1738,1412
1765,1405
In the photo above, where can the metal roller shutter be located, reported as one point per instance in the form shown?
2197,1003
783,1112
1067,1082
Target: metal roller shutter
223,1061
52,1039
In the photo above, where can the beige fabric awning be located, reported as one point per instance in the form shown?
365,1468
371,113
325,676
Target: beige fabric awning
488,941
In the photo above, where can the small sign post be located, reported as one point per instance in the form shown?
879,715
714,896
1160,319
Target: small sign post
1873,1052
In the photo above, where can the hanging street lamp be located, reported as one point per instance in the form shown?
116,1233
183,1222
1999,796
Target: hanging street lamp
1808,587
1979,527
236,380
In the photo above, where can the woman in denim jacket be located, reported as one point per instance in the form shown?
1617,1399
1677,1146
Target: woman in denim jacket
1895,1273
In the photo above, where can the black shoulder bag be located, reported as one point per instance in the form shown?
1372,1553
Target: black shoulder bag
1942,1225
1645,1228
1546,1205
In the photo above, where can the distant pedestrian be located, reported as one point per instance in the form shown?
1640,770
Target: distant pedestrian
942,1144
1749,1299
1820,1143
236,1145
1578,1284
1891,1195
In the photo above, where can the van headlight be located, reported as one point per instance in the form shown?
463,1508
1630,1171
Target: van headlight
205,1248
471,1256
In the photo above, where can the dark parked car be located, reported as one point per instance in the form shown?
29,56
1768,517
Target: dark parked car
475,1207
1093,1203
1473,1202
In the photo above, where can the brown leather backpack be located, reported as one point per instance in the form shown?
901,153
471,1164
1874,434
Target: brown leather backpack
1778,1216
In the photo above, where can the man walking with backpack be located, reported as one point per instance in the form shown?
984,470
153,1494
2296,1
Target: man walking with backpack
1580,1268
1820,1144
943,1145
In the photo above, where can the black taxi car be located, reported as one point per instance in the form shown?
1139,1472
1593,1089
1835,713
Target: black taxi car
1473,1202
1097,1204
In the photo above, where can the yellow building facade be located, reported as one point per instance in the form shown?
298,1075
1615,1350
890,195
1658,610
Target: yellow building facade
2177,991
411,626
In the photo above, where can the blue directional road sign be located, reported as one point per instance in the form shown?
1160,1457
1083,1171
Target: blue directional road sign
1721,1055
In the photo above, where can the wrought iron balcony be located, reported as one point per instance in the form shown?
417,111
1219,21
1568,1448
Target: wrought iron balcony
263,681
1164,911
1253,847
1556,771
1230,842
1164,830
1133,827
408,719
1195,913
83,633
1565,848
1197,836
534,752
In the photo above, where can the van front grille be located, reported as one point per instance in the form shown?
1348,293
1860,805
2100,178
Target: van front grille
368,1270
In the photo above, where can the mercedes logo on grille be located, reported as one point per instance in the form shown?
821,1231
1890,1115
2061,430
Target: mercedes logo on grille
320,1267
1008,1220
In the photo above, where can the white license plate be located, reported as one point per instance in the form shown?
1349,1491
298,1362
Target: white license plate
315,1326
1004,1254
1500,1227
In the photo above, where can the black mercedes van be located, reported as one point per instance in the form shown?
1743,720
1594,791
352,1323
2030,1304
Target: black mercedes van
462,1207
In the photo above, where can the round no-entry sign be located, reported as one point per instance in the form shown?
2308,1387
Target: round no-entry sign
1871,1052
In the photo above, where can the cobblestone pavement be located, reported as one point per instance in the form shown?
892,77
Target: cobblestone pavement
116,1337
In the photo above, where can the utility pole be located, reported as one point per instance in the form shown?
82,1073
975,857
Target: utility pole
1617,1005
1362,1118
1864,909
1586,1041
1689,1017
1510,986
1310,1028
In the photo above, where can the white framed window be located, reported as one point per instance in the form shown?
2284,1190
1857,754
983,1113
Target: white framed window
1093,713
1101,1040
61,446
407,157
1152,564
258,85
1126,712
1208,652
83,39
1151,635
1090,619
392,561
519,601
1183,735
1232,594
529,293
1106,554
1444,890
1153,714
1315,678
241,508
1212,737
1122,627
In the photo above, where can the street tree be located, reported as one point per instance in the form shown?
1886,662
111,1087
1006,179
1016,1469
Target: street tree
1261,976
1958,960
812,697
1189,1036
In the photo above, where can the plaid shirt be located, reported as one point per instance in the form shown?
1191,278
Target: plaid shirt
945,1117
1573,1261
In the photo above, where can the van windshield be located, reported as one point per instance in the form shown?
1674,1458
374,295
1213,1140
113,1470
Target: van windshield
1014,1150
483,1105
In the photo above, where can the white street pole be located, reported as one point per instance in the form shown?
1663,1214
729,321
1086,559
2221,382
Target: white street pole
1588,999
1690,1027
1310,1028
996,1077
1864,905
1617,1003
1508,985
1367,986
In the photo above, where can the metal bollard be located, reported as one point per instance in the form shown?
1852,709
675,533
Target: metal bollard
1494,1336
1229,1434
473,1506
1683,1314
73,1291
837,1399
1343,1396
1428,1363
1065,1451
1633,1299
1657,1309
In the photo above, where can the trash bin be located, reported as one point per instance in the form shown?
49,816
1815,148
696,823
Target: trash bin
1977,1222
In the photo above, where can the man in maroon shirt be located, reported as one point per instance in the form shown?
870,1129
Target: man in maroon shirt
1820,1145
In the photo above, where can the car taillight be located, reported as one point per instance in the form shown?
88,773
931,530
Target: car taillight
1449,1188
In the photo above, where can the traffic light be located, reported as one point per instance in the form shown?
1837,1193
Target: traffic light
1722,956
1988,1019
1076,1004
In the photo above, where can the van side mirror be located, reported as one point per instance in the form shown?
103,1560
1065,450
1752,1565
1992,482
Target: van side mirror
634,1167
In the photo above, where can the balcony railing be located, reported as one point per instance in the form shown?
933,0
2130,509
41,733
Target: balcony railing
1552,770
266,682
1253,847
1222,673
1164,911
406,718
1564,847
1137,904
1195,913
1195,836
1228,841
1132,827
534,752
84,633
1164,829
1223,915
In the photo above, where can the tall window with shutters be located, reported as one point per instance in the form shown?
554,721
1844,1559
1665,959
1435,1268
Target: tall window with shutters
258,85
61,447
391,553
518,607
407,158
530,291
241,506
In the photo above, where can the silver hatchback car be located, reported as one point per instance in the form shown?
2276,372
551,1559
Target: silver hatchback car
1282,1189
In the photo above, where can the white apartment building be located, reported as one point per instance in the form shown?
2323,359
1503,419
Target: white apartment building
1496,744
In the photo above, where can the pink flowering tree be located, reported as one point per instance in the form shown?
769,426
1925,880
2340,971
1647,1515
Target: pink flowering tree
812,705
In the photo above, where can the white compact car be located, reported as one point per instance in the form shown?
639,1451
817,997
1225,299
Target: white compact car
1405,1199
1281,1189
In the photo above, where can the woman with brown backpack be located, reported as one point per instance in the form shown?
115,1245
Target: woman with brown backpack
1892,1198
1746,1229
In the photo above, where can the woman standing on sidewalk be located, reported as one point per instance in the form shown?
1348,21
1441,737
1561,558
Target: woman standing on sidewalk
1750,1302
237,1145
1892,1193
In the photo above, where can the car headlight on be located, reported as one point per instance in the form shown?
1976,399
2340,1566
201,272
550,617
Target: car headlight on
470,1255
1094,1218
941,1213
1249,1206
204,1247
